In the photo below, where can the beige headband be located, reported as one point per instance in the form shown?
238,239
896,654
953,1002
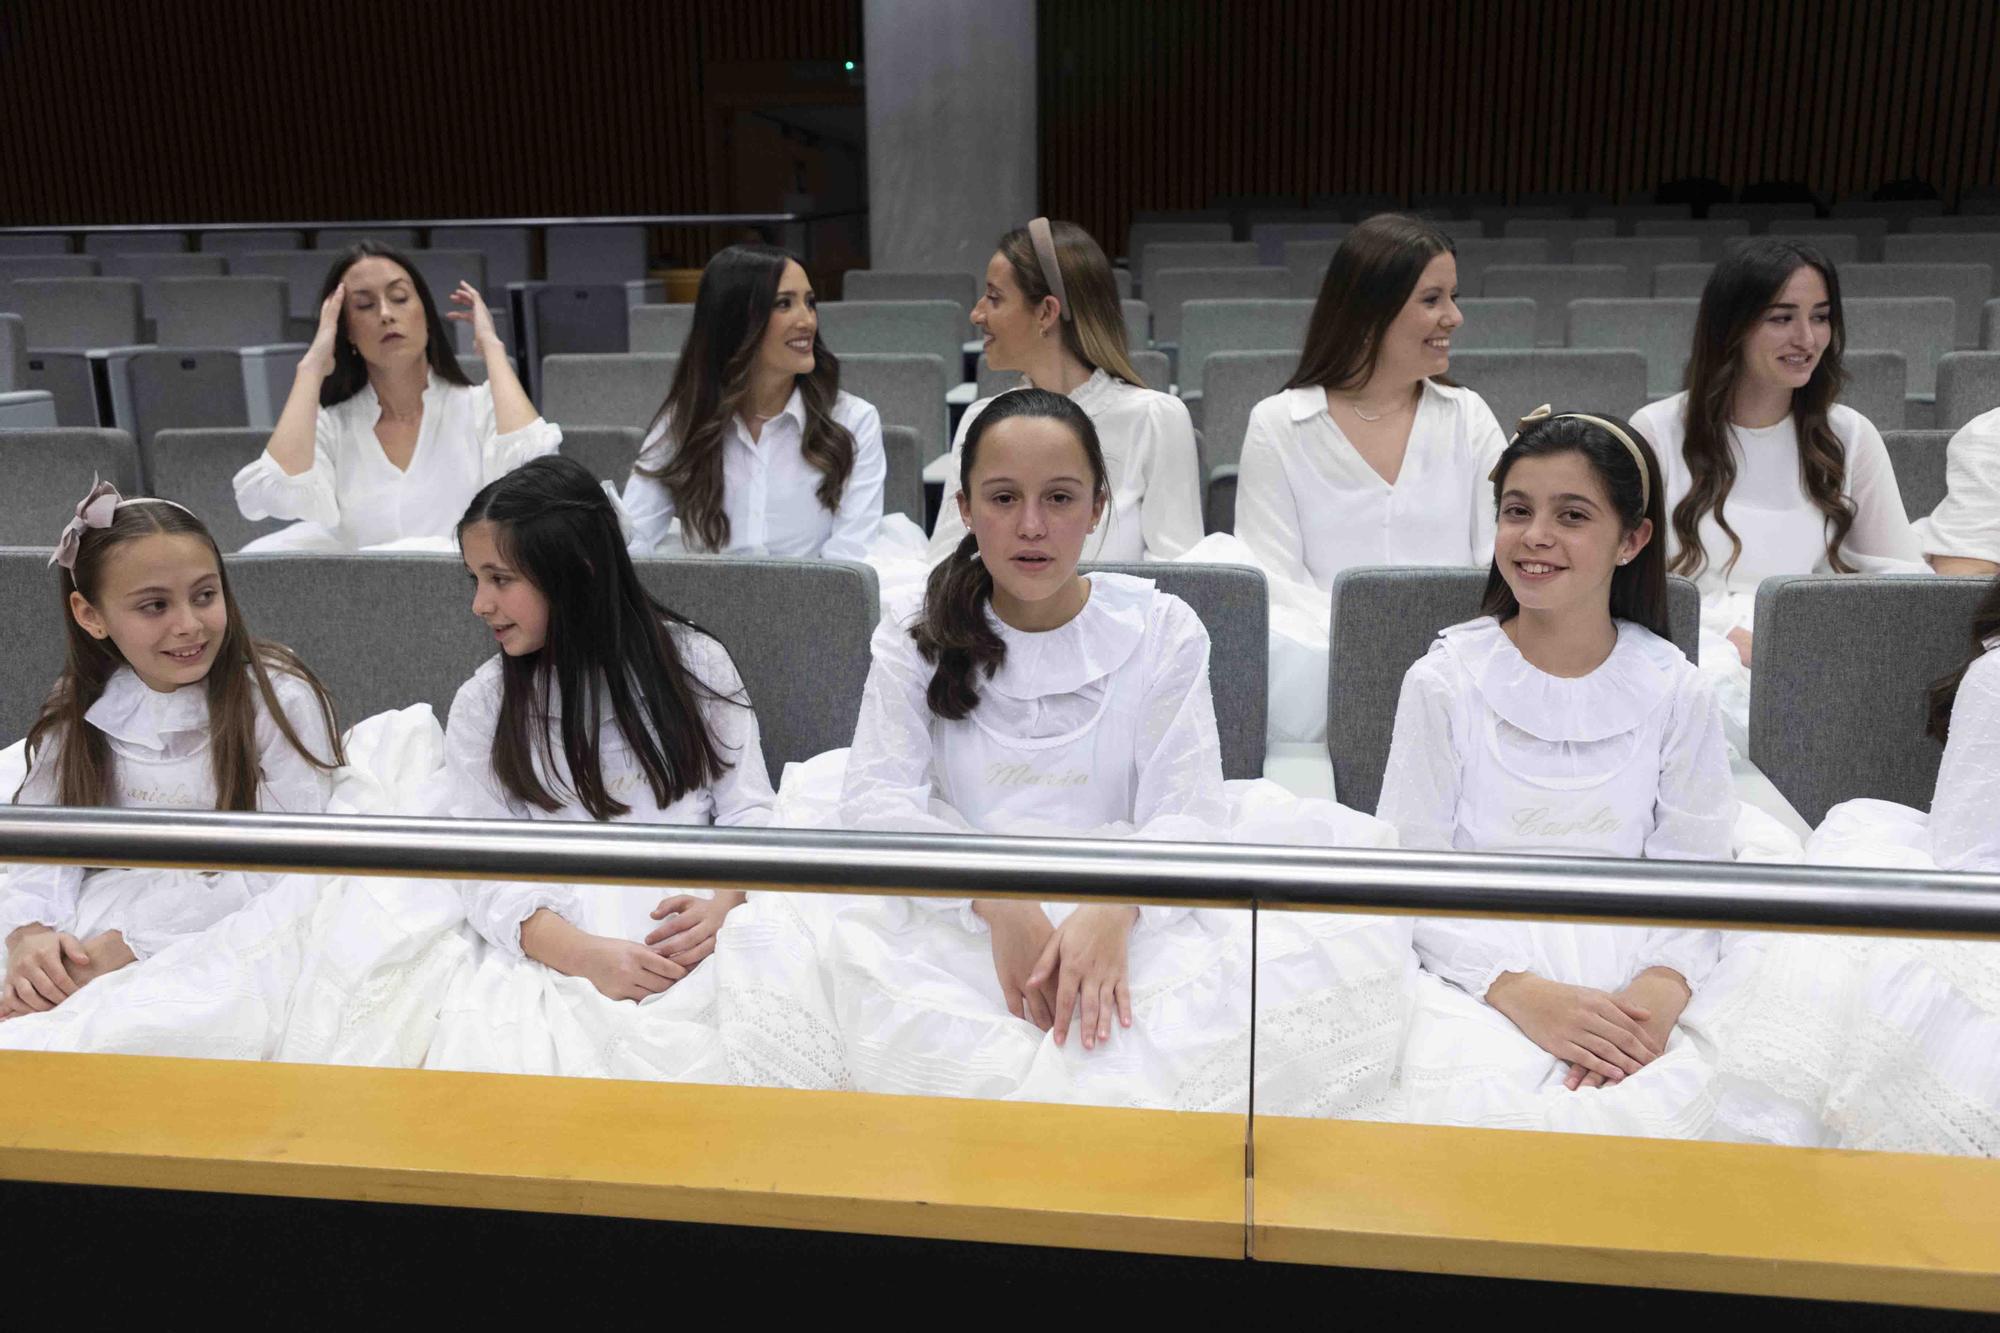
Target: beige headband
1045,254
1543,413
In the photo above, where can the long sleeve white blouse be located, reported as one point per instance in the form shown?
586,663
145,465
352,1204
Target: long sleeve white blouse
770,493
1966,522
741,797
1148,442
1309,506
1965,807
1635,750
160,760
355,492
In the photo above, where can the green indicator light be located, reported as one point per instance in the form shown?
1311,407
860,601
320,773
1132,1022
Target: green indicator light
850,65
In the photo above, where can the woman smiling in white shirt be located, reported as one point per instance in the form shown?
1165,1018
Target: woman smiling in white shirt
756,451
383,439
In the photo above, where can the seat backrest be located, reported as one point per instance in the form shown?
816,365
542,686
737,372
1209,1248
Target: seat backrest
595,254
1637,255
659,328
1971,247
236,242
1270,238
198,468
863,284
1968,383
13,351
605,388
906,389
1629,215
1475,255
1514,383
1232,383
1235,609
27,409
166,264
15,267
1172,288
1918,458
1676,282
1384,619
217,312
1209,326
79,312
1877,385
33,243
32,602
571,318
1839,247
443,270
1868,232
1138,318
1191,254
1497,321
1761,216
303,272
608,451
1837,702
339,238
509,253
1305,266
1920,327
1661,331
1968,285
798,631
1552,287
185,388
1967,220
1896,214
49,470
133,242
1143,234
903,488
1713,234
1459,229
922,328
1561,233
1989,337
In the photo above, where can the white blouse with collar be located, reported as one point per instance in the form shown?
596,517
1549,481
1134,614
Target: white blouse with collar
354,493
1966,522
770,493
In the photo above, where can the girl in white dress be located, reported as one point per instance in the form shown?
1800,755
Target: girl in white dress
601,705
757,450
1765,472
1018,696
1962,535
1051,311
166,702
1369,456
383,439
1563,722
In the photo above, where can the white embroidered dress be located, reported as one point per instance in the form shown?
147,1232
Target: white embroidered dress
1966,522
1493,755
353,497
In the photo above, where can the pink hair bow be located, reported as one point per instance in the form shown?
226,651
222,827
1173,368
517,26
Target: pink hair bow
94,511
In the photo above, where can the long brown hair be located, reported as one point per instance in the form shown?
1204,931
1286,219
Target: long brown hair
953,634
1944,691
242,664
1095,333
1367,284
1738,293
732,310
350,371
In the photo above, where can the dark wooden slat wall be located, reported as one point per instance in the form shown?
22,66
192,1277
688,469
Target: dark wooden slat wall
1160,104
240,110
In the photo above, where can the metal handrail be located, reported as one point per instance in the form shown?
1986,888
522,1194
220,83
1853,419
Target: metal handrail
923,864
643,219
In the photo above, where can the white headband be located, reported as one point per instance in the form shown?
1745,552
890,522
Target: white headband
1543,413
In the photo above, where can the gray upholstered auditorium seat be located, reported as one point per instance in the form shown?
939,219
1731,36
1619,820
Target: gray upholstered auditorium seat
166,264
1714,234
198,468
863,284
1497,216
473,366
1968,383
48,471
1157,258
1495,322
29,243
568,318
1964,221
1877,385
907,390
1270,238
1628,216
30,601
13,351
303,271
1840,247
1922,328
133,242
1224,325
1235,609
603,254
1868,232
1897,213
1573,379
182,388
1561,233
1989,336
1968,285
1143,234
1837,702
1138,318
1552,287
1121,278
608,451
1918,457
1637,255
1761,216
1474,256
70,323
1232,384
443,270
339,238
236,242
605,388
1172,288
244,311
1662,331
27,409
903,488
508,253
1460,229
923,328
16,267
659,328
1384,619
1680,282
1152,366
1305,262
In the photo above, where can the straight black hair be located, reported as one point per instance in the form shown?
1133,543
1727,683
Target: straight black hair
1944,691
608,645
350,372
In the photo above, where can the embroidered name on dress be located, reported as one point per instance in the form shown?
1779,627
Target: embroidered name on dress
1024,775
179,793
1542,822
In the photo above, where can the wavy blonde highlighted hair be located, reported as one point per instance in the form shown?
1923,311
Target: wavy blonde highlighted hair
1094,333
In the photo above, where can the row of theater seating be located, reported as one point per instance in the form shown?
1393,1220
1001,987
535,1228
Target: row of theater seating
1831,650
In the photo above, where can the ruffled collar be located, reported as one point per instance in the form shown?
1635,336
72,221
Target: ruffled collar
1090,394
129,710
1098,641
1635,680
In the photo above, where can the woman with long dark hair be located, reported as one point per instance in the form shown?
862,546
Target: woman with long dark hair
756,449
383,439
1564,722
1766,471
